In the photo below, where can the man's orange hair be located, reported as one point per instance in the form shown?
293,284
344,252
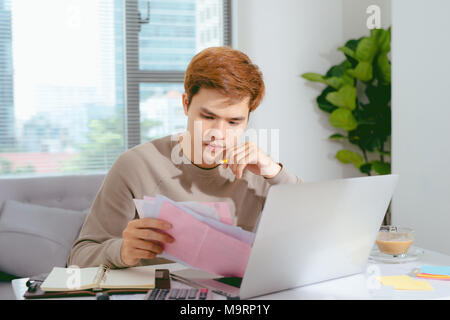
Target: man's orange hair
228,70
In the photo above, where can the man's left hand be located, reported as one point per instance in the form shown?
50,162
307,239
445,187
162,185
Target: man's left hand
249,156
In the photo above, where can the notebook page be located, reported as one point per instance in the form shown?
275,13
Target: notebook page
66,279
130,278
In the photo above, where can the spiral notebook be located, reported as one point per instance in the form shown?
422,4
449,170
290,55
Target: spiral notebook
97,278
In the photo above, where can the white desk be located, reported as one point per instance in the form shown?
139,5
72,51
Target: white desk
359,286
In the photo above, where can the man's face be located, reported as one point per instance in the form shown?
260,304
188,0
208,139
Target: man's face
215,122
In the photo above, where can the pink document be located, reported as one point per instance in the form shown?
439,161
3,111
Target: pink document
202,246
222,208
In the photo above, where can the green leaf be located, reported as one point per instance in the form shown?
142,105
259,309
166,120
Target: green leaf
337,136
382,38
347,51
366,168
366,49
365,137
389,37
378,96
323,104
343,118
345,97
384,66
383,153
381,167
339,82
313,77
334,82
363,71
348,80
337,76
338,70
352,44
348,156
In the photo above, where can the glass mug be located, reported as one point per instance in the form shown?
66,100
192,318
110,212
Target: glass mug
394,240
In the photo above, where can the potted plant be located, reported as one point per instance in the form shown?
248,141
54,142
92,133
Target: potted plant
358,98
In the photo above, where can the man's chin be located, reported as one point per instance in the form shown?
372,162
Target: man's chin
212,157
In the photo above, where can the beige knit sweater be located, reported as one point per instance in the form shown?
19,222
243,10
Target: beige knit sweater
148,169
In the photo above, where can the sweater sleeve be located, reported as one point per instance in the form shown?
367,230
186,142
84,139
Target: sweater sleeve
284,177
100,238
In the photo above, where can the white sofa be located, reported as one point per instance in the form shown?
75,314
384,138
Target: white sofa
67,192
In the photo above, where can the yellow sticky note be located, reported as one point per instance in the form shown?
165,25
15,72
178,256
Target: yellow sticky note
405,282
392,280
419,285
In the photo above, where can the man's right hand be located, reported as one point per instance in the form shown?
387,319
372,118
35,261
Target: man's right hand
143,238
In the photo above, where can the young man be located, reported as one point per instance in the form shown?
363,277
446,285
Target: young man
222,87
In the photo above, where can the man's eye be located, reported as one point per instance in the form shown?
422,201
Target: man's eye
207,117
233,123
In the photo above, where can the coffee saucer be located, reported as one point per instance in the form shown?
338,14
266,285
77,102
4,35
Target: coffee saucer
413,254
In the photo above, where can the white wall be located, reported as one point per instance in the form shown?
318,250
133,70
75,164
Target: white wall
286,38
289,37
421,118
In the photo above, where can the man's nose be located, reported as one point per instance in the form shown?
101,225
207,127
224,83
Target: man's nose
219,130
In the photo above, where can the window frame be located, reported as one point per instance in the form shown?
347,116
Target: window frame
133,76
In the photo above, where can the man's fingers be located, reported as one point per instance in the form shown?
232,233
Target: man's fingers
147,234
234,152
147,245
241,163
234,156
240,170
143,254
242,158
151,223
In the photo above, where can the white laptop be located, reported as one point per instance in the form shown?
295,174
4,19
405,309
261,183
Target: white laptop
308,233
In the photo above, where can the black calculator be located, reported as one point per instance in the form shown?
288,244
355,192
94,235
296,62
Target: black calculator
178,294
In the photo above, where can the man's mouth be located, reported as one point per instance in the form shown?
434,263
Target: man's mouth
214,145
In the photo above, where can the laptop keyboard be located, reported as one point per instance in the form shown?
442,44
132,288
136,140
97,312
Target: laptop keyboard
178,294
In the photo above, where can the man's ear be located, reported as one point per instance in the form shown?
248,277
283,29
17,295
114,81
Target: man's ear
185,101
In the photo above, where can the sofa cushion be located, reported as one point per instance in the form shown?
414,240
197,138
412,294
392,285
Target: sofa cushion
6,291
34,238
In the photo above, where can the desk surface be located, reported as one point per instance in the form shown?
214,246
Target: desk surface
359,286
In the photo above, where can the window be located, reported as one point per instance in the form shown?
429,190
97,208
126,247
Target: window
81,81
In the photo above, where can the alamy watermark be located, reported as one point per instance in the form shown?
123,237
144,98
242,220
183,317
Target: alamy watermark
73,282
374,19
196,146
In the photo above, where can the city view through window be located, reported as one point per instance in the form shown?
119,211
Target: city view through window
62,75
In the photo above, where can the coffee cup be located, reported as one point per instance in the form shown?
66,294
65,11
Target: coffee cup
394,240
